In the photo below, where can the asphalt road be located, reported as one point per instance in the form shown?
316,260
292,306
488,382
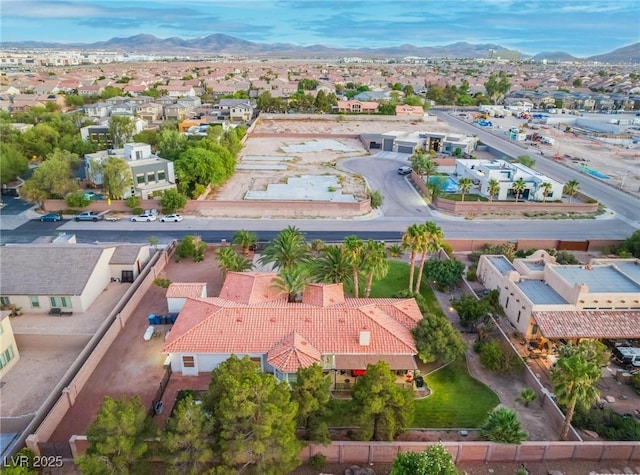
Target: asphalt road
624,204
381,228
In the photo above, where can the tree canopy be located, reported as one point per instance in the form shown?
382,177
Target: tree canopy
118,438
254,419
311,390
383,409
436,339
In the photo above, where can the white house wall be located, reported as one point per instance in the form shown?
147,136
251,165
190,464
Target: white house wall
98,280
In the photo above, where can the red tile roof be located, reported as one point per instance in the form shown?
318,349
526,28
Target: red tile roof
182,290
255,324
323,295
251,287
293,352
589,324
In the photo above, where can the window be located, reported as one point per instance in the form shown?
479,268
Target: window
4,301
188,362
161,175
519,312
140,178
151,177
60,302
6,356
256,360
138,154
35,301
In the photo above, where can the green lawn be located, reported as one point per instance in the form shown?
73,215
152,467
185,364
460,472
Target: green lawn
397,280
458,197
456,400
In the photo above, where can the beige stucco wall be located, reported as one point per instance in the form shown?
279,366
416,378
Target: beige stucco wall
99,279
7,340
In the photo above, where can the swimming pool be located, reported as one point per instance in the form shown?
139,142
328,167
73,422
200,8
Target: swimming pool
593,172
449,184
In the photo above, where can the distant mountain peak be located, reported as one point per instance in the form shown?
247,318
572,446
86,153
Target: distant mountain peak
220,43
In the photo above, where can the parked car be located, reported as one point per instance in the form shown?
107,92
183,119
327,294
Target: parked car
90,216
627,357
176,218
404,170
111,217
52,217
144,217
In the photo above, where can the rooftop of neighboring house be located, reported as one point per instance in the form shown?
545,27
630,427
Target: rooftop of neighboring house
48,269
501,263
540,293
599,278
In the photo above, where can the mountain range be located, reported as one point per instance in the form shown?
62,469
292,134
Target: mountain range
224,44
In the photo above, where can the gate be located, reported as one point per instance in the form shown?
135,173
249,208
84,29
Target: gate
156,404
573,245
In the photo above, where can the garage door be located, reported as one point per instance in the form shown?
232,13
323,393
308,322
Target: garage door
405,149
387,145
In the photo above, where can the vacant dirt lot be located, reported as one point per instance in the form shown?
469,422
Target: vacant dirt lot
318,160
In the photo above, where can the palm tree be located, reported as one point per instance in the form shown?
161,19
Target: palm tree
352,248
574,383
493,188
429,167
431,243
245,239
316,246
518,187
546,189
417,161
333,265
291,280
502,425
286,250
464,185
527,396
374,263
395,250
230,261
411,240
571,188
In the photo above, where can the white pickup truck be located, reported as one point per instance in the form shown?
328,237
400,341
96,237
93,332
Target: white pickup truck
90,216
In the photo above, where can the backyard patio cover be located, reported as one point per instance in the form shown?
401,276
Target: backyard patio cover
589,324
396,362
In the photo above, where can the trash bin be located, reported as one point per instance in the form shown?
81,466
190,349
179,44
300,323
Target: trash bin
419,382
152,319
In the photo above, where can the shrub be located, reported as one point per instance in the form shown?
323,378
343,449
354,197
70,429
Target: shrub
318,461
608,424
76,200
497,358
162,282
132,202
198,190
472,275
137,210
191,246
376,199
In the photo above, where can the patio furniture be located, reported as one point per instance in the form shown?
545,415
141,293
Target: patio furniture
55,311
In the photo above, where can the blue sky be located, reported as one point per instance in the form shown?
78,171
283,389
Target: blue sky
579,27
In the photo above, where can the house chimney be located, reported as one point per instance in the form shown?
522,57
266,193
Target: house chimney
365,337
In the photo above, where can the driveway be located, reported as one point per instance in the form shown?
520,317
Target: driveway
401,200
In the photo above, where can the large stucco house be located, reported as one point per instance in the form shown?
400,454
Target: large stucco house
250,317
506,174
544,299
65,276
151,174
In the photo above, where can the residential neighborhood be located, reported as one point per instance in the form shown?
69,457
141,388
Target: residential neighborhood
342,261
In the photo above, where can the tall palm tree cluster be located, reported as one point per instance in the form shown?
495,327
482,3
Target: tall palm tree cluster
354,262
421,239
299,263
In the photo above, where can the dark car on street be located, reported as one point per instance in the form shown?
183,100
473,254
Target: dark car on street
52,217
